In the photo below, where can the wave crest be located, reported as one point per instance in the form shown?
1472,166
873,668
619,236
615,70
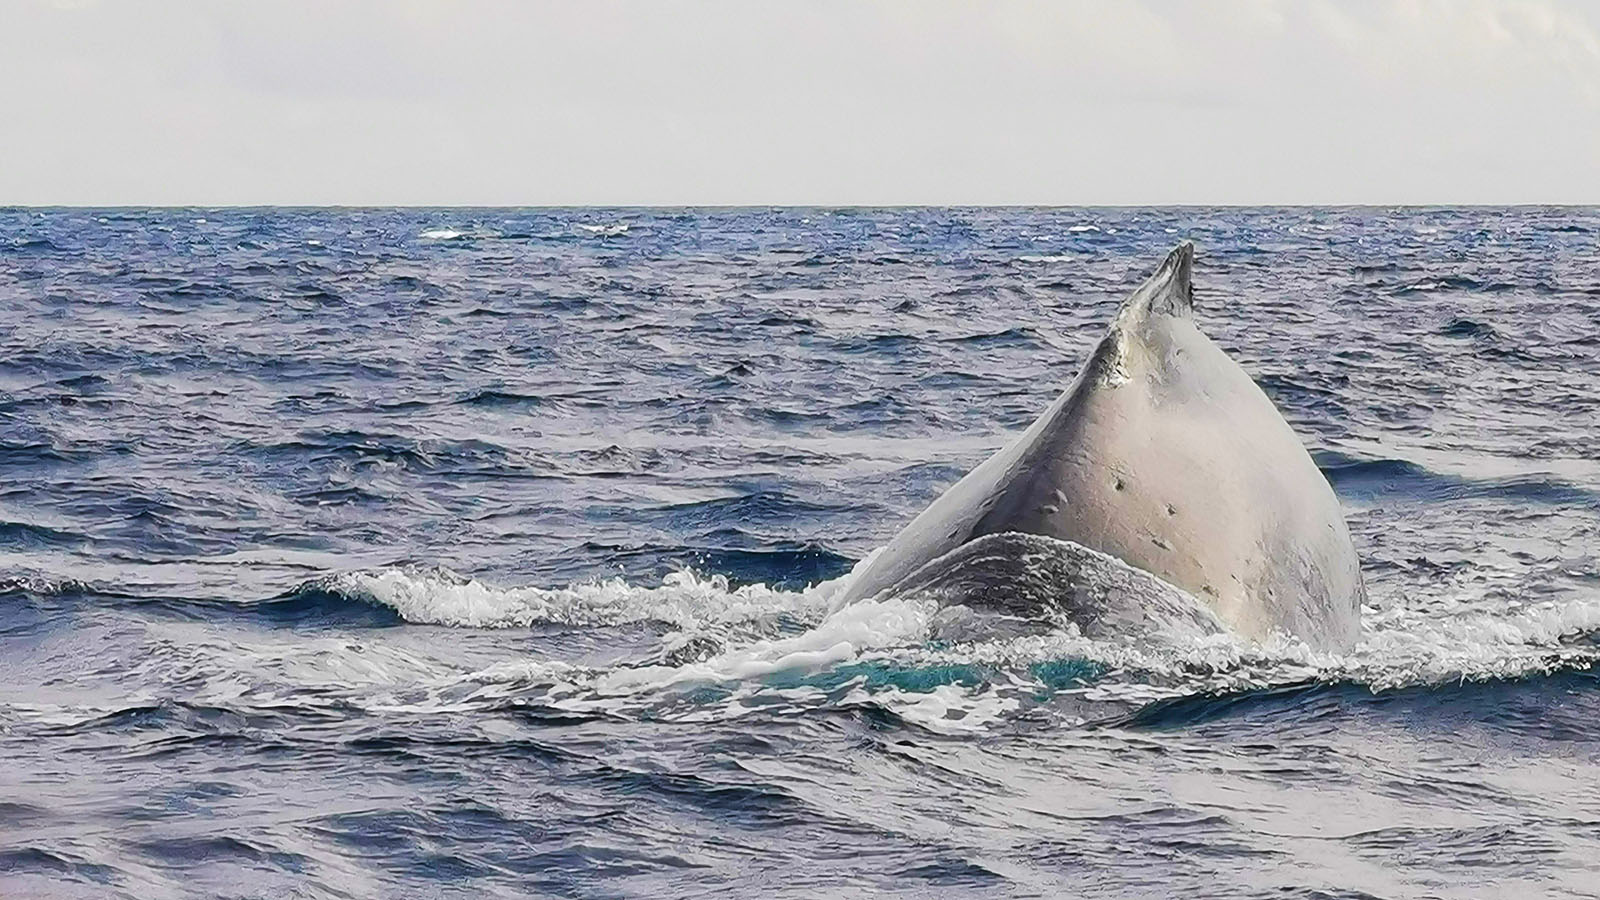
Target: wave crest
439,596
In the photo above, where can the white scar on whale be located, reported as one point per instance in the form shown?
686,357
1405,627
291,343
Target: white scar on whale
1162,478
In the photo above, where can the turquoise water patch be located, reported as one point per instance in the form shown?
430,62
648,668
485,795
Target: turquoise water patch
1063,674
1054,675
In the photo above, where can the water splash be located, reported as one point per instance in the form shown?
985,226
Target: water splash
729,651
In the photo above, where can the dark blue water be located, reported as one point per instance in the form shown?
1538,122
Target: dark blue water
490,553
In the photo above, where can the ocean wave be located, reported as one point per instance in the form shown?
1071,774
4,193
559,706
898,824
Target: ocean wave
1020,336
613,229
33,246
438,596
489,397
1467,328
450,233
45,586
31,535
1359,479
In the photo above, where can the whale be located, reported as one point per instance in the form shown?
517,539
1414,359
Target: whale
1162,488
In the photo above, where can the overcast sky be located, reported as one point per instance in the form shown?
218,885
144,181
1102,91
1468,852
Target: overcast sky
800,102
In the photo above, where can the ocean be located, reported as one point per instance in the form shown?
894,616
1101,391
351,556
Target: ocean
460,553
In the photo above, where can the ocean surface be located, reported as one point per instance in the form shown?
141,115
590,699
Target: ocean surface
433,553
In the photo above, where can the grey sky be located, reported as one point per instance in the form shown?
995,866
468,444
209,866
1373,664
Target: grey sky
1141,101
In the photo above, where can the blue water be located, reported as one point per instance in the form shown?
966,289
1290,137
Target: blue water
491,553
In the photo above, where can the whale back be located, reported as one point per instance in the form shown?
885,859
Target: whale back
1164,454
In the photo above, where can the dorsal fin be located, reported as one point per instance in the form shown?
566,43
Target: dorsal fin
1170,291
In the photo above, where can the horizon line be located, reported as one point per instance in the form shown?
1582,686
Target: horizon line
730,206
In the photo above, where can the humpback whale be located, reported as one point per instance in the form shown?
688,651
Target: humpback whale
1161,476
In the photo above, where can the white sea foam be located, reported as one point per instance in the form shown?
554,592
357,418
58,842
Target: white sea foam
947,708
610,230
441,234
715,646
438,596
1405,646
843,636
743,673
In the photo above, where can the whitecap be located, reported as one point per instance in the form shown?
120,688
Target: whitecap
438,596
611,230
